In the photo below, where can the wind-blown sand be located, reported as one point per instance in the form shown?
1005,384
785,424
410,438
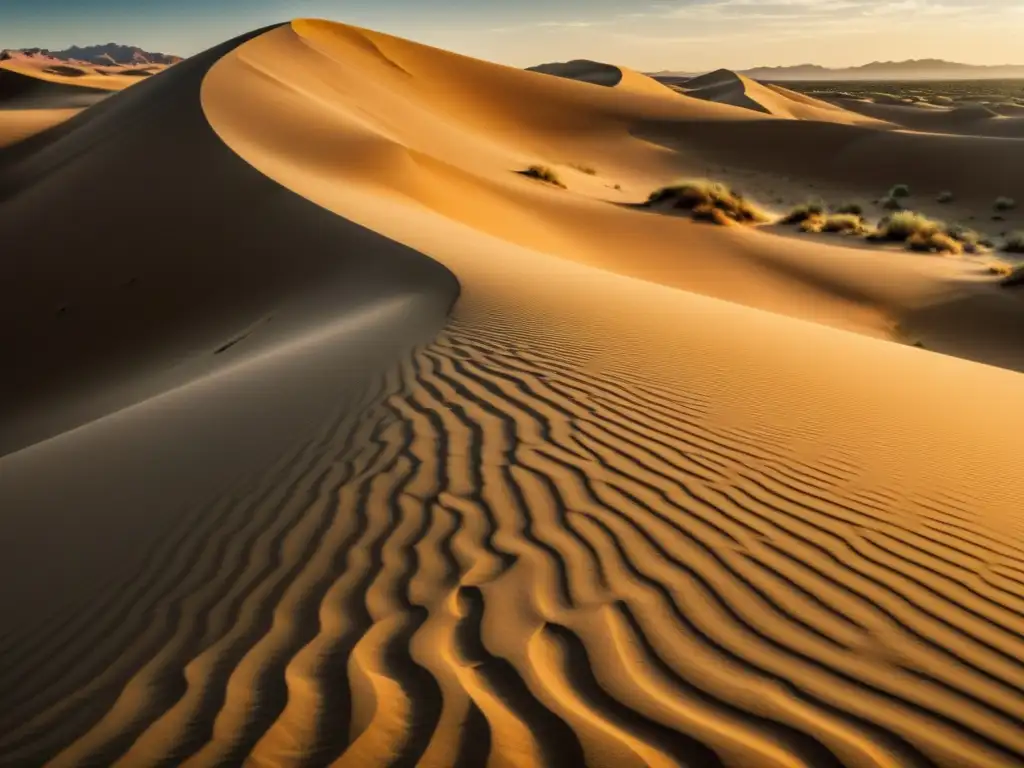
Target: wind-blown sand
621,510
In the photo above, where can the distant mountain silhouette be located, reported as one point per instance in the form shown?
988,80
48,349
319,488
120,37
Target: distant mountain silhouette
103,55
913,69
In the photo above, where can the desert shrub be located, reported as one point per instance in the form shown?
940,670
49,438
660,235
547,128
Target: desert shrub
945,197
890,203
1004,203
1014,242
899,226
1000,268
803,212
899,190
585,169
917,232
841,223
934,242
701,197
543,173
854,209
971,241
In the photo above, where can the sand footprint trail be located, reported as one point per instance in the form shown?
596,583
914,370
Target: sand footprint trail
595,520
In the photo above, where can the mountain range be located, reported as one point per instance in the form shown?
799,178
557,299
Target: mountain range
102,55
913,69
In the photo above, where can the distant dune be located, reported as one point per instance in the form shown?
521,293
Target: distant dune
731,88
38,91
331,438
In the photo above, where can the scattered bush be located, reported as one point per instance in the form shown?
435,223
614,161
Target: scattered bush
900,190
854,209
543,173
585,169
891,203
934,242
1004,204
803,212
841,223
918,232
1014,242
970,241
1000,268
945,197
708,201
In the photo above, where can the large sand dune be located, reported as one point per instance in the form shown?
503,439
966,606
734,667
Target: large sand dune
621,511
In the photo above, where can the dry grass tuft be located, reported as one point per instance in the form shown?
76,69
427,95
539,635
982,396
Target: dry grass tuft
803,212
590,171
542,173
918,232
709,201
899,190
934,242
945,197
1004,204
841,223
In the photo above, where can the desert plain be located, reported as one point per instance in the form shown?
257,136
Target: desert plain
362,406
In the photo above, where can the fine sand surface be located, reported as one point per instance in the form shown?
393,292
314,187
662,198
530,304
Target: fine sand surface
338,442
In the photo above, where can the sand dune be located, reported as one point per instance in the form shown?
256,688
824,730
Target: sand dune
615,513
39,94
729,87
608,75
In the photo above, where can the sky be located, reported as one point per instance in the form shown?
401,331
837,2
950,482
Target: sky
649,35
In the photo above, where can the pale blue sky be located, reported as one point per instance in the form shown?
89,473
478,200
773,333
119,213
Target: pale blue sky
644,34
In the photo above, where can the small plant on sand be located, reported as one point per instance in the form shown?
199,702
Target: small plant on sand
855,209
1014,242
803,212
841,223
900,190
543,173
891,203
1004,204
584,169
945,197
708,201
969,240
918,232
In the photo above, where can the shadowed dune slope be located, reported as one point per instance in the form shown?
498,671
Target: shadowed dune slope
600,519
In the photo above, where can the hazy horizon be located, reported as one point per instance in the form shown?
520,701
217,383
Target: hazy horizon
682,35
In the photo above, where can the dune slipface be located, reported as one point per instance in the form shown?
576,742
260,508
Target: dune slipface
615,513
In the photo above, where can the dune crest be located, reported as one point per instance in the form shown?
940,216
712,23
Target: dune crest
613,514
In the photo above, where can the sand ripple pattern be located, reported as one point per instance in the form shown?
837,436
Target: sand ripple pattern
507,558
